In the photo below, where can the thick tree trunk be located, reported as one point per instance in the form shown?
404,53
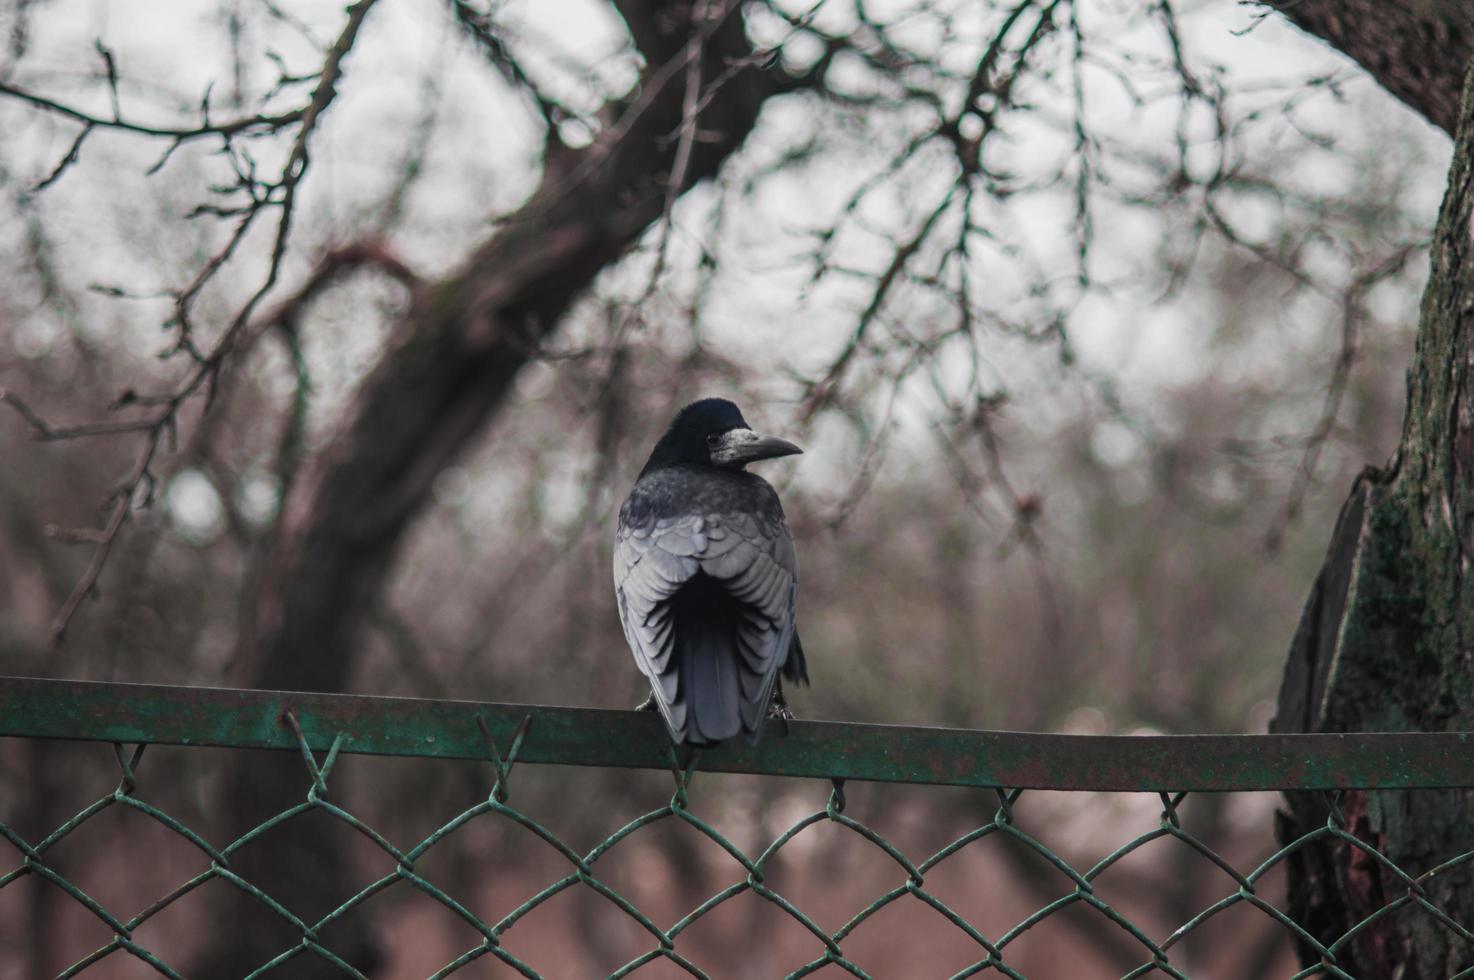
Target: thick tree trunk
1385,641
1415,49
459,352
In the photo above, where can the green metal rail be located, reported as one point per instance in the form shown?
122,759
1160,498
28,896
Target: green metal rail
143,714
322,728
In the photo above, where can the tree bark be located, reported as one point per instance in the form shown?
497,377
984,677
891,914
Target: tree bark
1415,49
1386,641
450,370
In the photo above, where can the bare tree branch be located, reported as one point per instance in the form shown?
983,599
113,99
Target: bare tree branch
262,196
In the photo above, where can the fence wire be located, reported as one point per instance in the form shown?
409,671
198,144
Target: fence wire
749,873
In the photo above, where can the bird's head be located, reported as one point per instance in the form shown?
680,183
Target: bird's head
712,432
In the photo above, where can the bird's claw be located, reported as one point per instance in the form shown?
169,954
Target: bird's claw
778,709
648,704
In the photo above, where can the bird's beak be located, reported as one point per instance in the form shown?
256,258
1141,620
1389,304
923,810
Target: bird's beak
742,446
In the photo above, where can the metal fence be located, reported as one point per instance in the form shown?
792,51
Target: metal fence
324,728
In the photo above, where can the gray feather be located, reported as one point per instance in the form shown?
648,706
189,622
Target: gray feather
706,577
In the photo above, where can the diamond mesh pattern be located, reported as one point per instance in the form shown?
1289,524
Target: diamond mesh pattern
750,875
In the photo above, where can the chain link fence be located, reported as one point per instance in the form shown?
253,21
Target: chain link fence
324,728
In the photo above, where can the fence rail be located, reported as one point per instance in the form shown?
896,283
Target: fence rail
323,728
146,714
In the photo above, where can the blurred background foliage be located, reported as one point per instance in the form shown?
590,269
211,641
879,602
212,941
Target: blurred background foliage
1076,422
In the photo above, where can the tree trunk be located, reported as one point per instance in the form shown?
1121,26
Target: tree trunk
1386,641
459,351
1415,49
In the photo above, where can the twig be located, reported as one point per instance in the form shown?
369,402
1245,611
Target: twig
262,196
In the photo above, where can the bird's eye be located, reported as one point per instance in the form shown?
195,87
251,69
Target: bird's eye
714,440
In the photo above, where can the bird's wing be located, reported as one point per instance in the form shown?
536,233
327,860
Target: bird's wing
652,560
753,558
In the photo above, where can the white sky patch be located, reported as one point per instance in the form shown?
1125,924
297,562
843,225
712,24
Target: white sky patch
195,510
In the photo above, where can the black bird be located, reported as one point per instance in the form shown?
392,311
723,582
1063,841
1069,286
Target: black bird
707,579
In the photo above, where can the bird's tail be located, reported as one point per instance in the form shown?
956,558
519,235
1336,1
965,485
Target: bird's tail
710,682
710,675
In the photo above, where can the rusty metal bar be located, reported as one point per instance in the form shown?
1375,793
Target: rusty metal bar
133,713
